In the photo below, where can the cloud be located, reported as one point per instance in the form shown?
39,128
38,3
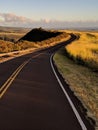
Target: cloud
12,19
68,24
9,19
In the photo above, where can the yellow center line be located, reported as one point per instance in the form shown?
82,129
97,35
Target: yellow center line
11,79
7,84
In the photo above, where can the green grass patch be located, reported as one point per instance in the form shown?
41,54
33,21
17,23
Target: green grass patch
82,80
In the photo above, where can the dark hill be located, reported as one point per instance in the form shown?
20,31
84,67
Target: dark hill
39,34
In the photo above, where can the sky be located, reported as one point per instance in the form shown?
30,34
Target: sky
53,13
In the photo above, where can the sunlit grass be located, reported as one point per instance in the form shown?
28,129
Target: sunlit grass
7,46
82,81
85,50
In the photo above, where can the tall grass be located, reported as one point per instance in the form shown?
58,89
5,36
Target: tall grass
6,46
85,50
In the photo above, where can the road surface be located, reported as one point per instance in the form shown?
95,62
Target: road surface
31,97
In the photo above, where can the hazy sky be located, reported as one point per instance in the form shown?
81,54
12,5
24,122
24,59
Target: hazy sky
49,10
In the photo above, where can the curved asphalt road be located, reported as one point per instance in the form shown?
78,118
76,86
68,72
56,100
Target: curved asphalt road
34,100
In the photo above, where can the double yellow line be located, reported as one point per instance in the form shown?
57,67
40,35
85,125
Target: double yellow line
6,85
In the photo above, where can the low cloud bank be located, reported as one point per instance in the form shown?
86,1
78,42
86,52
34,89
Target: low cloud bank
8,19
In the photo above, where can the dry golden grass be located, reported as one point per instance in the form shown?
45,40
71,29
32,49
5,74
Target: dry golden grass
81,80
85,50
7,46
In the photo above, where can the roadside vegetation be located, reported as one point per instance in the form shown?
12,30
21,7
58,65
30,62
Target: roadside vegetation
78,64
53,38
85,50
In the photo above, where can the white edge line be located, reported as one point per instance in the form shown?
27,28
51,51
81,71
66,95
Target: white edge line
68,98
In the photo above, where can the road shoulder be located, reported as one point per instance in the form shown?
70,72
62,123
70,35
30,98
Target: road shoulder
62,65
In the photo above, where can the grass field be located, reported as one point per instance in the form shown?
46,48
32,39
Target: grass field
85,50
77,67
12,34
7,44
